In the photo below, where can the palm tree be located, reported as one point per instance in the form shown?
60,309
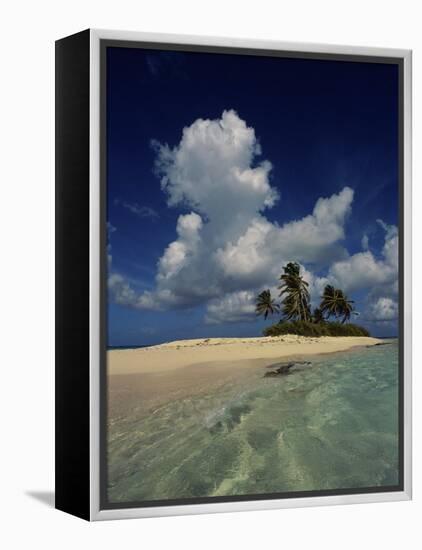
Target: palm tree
330,302
335,302
318,316
266,305
296,294
346,306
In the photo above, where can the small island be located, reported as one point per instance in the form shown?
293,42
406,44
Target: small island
298,317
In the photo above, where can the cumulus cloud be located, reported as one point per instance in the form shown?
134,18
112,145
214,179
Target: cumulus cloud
214,161
377,276
383,309
121,290
226,249
232,308
264,246
364,270
179,252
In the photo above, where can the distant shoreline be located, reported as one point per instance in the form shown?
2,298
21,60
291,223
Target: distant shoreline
142,346
225,352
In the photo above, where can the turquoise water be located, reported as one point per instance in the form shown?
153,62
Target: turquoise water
332,425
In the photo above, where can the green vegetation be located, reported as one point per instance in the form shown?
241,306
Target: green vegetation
307,328
335,302
296,301
266,305
295,307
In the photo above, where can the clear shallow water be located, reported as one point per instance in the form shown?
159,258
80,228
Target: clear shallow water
329,426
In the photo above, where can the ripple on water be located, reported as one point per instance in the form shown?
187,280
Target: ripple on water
327,427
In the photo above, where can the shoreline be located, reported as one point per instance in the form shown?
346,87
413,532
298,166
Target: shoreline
174,356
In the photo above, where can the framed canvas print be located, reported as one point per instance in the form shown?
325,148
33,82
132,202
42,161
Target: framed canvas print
233,274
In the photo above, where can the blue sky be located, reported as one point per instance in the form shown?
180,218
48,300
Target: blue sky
221,168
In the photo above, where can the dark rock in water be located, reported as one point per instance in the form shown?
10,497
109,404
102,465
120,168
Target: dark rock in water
288,364
278,372
284,368
216,428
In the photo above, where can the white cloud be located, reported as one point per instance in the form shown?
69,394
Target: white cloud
364,270
212,170
121,290
359,271
365,242
179,252
262,249
383,309
226,249
232,308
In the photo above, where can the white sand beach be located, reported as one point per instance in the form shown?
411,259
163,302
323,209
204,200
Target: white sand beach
186,353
